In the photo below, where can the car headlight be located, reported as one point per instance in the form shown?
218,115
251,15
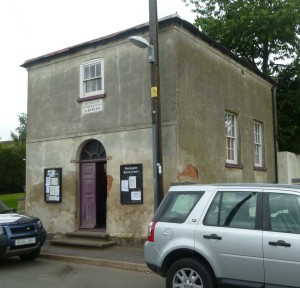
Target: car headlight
1,230
39,222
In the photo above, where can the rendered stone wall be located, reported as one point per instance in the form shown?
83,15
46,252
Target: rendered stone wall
288,168
198,83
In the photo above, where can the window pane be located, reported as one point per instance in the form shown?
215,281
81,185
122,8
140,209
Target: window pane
180,207
284,213
93,85
89,86
257,159
229,125
99,83
230,149
98,70
92,71
86,73
257,133
212,216
233,209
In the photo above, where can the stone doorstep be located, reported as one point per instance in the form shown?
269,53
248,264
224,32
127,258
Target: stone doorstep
96,239
87,234
83,242
85,239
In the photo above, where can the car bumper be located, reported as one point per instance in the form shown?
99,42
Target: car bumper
9,250
152,257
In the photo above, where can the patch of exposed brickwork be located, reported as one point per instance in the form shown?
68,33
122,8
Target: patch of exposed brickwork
189,174
109,182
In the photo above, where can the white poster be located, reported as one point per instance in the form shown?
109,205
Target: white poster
124,186
136,196
132,182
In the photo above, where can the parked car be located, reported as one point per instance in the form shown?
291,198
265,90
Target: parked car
230,235
20,235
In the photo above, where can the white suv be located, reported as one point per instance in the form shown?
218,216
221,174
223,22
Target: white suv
229,235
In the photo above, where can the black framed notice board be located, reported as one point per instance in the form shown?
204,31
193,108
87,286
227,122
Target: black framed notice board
131,186
52,185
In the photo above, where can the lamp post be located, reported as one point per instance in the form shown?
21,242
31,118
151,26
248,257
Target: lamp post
153,59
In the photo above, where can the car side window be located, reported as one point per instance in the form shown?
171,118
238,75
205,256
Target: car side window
180,206
284,212
234,209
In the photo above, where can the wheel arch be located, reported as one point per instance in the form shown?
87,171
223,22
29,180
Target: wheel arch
181,254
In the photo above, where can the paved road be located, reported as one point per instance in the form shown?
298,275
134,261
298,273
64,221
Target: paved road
44,273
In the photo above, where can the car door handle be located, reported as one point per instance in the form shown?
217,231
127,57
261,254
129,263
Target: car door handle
212,236
280,243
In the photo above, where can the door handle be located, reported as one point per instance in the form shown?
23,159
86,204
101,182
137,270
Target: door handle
212,236
280,243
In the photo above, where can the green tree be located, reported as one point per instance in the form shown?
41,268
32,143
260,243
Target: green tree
12,168
263,32
21,131
266,34
288,105
12,156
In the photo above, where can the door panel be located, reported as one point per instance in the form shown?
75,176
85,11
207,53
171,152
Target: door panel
282,263
230,236
281,243
237,252
88,196
101,194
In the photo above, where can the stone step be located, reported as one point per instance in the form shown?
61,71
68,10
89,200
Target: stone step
83,243
88,234
85,239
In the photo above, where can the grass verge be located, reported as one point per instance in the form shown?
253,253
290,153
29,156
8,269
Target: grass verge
11,199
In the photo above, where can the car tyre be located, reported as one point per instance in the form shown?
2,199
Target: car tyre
31,256
190,273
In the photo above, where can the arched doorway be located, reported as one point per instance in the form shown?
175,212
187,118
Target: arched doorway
93,186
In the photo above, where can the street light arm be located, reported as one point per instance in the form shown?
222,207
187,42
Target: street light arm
143,43
139,41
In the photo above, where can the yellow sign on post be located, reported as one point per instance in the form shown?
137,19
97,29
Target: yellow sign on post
153,91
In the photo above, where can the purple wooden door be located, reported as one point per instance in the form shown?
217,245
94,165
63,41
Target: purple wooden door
88,196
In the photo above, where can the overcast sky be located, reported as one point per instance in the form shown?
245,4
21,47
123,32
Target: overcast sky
31,28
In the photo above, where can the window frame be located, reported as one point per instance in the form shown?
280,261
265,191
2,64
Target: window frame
258,143
231,139
89,63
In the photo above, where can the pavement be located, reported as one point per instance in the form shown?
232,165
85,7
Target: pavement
127,258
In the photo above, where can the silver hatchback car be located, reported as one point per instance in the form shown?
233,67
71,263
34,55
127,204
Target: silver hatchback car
227,235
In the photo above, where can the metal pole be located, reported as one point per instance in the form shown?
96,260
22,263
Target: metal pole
273,91
155,108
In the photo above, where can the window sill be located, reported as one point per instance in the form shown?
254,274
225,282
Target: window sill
83,99
232,165
257,168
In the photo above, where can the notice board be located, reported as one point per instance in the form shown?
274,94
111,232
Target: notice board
52,185
131,186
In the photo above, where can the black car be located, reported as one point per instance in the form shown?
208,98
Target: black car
20,235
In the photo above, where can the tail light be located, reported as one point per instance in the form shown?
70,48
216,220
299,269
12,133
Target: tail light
151,228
